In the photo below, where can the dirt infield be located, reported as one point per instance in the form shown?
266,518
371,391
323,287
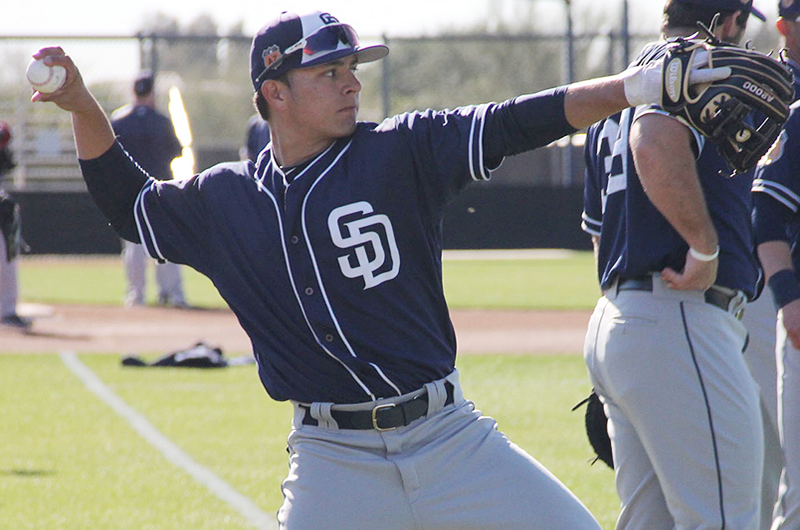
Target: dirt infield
101,329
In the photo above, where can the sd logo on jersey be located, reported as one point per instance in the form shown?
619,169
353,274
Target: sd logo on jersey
370,236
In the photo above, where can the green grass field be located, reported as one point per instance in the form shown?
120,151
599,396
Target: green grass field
497,284
69,461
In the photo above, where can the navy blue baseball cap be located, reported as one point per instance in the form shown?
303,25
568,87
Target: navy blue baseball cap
789,8
144,83
728,5
298,41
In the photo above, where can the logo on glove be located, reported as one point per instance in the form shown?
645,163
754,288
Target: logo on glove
761,92
673,79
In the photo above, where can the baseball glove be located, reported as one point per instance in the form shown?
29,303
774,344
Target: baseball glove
597,429
742,114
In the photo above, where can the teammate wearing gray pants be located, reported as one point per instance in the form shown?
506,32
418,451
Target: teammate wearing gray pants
664,344
328,250
148,135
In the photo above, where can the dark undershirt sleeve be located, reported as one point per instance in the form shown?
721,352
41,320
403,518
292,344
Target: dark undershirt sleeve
114,181
526,122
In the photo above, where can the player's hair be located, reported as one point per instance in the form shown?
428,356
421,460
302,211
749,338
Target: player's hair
681,15
260,102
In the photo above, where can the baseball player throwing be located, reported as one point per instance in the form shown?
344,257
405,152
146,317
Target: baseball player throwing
664,345
329,252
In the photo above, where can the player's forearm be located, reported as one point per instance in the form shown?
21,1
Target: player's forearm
666,166
776,260
590,101
775,256
92,130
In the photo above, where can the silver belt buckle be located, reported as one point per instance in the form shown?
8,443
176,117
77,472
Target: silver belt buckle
375,417
738,304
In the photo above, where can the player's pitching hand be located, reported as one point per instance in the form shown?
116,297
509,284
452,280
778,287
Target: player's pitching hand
696,275
73,95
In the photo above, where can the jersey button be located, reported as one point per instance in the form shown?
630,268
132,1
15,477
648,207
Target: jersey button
309,291
295,240
328,338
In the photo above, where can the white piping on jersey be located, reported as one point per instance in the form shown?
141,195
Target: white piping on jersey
139,204
480,115
779,192
355,377
591,226
323,292
619,182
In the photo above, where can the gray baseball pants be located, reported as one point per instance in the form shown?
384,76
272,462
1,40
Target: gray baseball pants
452,470
684,411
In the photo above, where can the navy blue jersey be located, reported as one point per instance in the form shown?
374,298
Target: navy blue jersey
795,68
335,272
149,137
776,189
635,239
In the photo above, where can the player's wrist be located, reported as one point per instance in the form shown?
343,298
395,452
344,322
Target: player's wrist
784,287
642,84
704,256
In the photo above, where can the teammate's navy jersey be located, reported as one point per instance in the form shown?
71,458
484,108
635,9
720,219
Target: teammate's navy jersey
336,276
795,68
776,188
149,137
635,239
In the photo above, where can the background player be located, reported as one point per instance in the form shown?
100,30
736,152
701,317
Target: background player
9,287
149,137
761,314
256,138
329,252
789,30
777,227
663,348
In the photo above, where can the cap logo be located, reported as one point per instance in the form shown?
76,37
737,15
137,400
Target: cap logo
270,55
327,18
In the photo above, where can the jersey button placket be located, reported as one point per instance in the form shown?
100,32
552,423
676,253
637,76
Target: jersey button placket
294,240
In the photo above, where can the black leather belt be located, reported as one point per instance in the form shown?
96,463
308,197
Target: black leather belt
713,295
382,417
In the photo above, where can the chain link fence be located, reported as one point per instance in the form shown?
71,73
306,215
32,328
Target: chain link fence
212,74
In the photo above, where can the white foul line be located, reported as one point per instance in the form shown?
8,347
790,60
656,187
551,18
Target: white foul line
172,452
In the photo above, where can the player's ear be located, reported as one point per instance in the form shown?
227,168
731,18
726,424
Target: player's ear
274,91
782,25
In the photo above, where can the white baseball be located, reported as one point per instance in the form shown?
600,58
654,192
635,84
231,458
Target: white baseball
45,78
